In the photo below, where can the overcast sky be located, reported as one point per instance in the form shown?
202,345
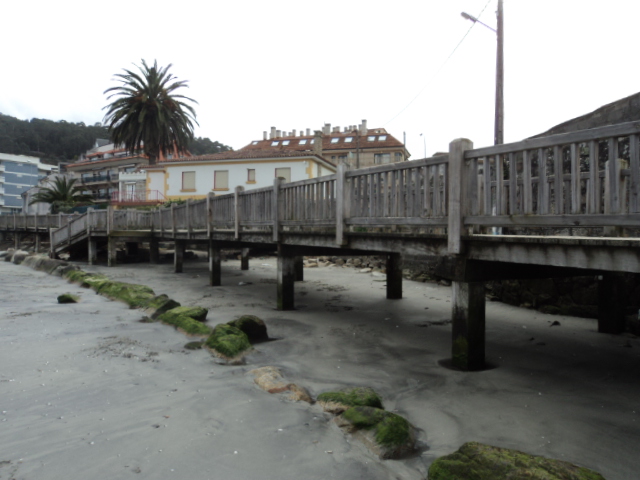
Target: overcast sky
299,64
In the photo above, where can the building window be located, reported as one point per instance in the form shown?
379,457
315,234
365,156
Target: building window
342,158
303,141
398,157
254,142
274,144
382,158
251,175
348,139
382,138
284,173
285,142
371,138
335,140
221,180
188,181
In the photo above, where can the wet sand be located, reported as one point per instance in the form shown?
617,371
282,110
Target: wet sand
87,391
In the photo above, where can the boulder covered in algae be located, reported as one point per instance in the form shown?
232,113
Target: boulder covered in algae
253,326
343,399
386,434
476,461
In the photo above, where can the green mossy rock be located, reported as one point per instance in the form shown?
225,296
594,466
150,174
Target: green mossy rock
86,280
253,326
197,313
185,324
228,341
386,434
68,298
476,461
351,397
159,305
390,429
135,296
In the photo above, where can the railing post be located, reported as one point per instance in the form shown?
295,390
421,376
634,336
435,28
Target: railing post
236,206
458,204
275,209
173,219
614,189
342,203
109,219
188,212
209,213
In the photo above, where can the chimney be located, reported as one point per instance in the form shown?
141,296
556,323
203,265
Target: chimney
326,129
346,129
264,135
336,129
273,132
363,127
293,132
278,133
308,132
317,143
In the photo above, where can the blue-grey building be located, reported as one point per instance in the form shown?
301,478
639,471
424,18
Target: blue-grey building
18,173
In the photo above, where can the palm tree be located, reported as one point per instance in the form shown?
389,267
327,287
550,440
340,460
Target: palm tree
147,113
62,195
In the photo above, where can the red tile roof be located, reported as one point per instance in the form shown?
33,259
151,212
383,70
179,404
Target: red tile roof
294,142
240,155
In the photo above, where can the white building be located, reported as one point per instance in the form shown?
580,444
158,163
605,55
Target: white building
195,177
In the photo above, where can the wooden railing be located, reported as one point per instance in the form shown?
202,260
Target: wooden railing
33,221
589,178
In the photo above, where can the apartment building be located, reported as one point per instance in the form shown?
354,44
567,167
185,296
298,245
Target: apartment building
356,145
18,173
99,169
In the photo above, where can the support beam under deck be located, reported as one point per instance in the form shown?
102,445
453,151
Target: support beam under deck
468,332
286,278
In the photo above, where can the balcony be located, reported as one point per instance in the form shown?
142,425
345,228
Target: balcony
100,179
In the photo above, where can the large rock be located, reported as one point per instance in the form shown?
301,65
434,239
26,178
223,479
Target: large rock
184,323
271,380
19,256
159,305
253,326
476,461
343,399
197,313
136,296
384,433
228,343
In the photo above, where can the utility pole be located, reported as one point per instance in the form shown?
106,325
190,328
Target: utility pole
498,137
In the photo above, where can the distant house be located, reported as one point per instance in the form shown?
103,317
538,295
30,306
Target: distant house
18,173
195,177
357,146
99,169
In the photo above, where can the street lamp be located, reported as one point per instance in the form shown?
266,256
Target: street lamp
424,143
498,136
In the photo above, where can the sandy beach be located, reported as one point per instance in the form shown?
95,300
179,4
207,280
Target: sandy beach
88,391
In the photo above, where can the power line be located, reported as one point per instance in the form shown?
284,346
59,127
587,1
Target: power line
439,69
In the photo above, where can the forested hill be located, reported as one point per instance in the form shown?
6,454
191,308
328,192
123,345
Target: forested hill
61,141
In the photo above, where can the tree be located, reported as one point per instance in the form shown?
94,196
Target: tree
146,113
62,195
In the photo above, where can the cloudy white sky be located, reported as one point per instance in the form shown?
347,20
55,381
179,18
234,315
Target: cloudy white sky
299,64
